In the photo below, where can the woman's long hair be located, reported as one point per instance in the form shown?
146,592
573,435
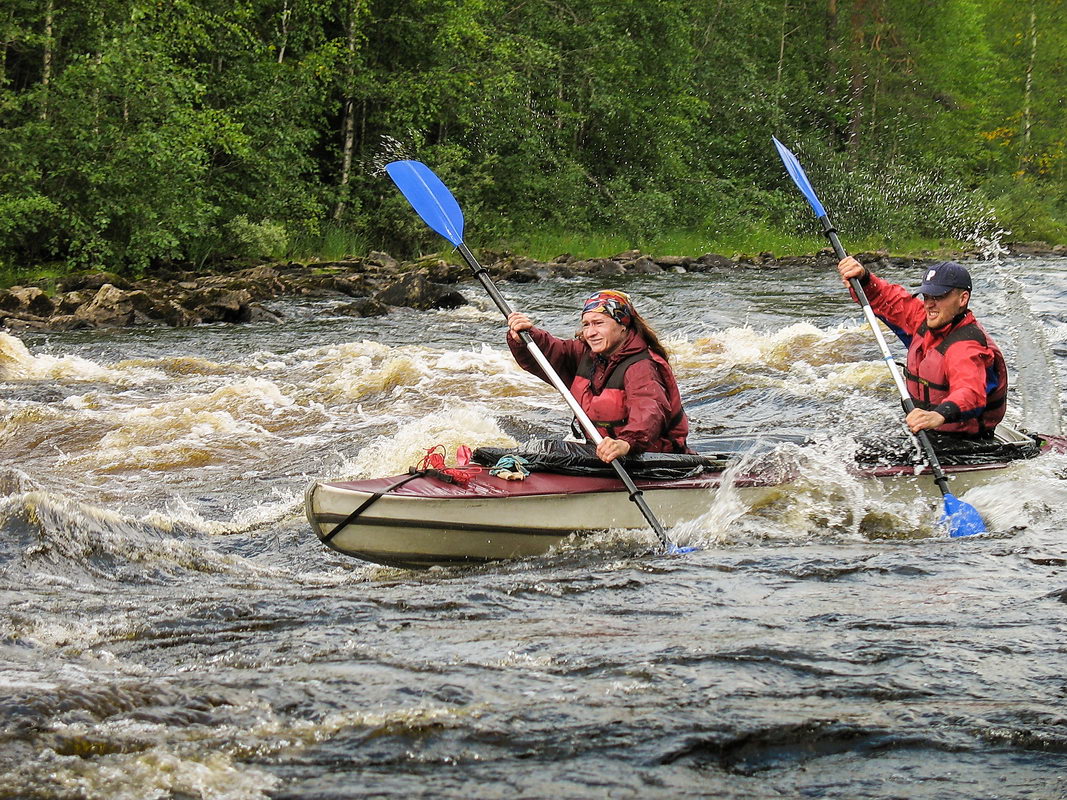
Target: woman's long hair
648,333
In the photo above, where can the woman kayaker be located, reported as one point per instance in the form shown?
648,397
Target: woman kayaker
617,370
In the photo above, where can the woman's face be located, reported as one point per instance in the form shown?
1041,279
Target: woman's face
603,334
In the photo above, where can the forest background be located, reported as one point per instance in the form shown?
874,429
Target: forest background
138,133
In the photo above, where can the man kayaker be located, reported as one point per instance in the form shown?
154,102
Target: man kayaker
955,372
617,370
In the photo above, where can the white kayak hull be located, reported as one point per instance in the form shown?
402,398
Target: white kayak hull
425,521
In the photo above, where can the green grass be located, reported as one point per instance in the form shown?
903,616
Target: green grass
44,276
545,245
335,243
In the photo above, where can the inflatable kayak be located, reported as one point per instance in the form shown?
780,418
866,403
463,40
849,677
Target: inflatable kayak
469,515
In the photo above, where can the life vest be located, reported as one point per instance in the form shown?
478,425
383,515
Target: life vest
927,380
607,409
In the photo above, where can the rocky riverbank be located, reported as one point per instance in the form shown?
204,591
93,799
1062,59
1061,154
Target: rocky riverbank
373,285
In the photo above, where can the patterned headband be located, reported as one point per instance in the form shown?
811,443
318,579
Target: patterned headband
615,304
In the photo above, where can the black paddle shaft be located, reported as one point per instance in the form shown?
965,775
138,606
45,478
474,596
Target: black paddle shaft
940,478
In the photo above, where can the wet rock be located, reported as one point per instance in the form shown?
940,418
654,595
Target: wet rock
825,258
872,260
1029,248
440,271
235,292
598,266
348,265
27,300
261,282
112,307
21,321
670,262
385,260
415,290
794,261
91,281
217,304
642,266
257,312
67,322
363,307
513,268
710,261
325,285
523,276
69,302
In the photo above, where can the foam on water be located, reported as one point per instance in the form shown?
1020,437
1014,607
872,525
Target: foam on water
18,364
154,773
461,424
67,538
180,631
719,525
192,430
801,350
1030,493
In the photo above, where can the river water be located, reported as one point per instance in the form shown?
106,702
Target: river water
171,628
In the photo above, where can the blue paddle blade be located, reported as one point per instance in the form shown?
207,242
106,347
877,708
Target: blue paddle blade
429,197
796,172
961,519
676,550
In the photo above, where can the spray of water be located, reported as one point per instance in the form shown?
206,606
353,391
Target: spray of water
1036,382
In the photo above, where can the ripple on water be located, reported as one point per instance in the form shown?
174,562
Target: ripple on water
171,628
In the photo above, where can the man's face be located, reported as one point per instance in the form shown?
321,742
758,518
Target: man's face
943,309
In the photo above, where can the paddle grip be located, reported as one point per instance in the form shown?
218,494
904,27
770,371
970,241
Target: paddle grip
830,232
482,274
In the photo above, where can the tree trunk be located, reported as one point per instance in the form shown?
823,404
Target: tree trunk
286,14
3,50
781,42
829,76
348,122
46,56
857,79
1024,151
782,34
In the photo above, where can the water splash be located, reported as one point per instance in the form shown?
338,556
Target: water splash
389,149
988,239
716,525
1037,382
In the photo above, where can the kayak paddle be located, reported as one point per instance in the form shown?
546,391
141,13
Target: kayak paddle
961,519
432,201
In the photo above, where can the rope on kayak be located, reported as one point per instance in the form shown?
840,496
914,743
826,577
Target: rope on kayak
367,503
432,465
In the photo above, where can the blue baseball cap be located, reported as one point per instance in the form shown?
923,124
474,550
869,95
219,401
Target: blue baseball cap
942,278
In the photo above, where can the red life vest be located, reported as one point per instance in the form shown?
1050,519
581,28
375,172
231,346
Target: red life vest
927,379
607,408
